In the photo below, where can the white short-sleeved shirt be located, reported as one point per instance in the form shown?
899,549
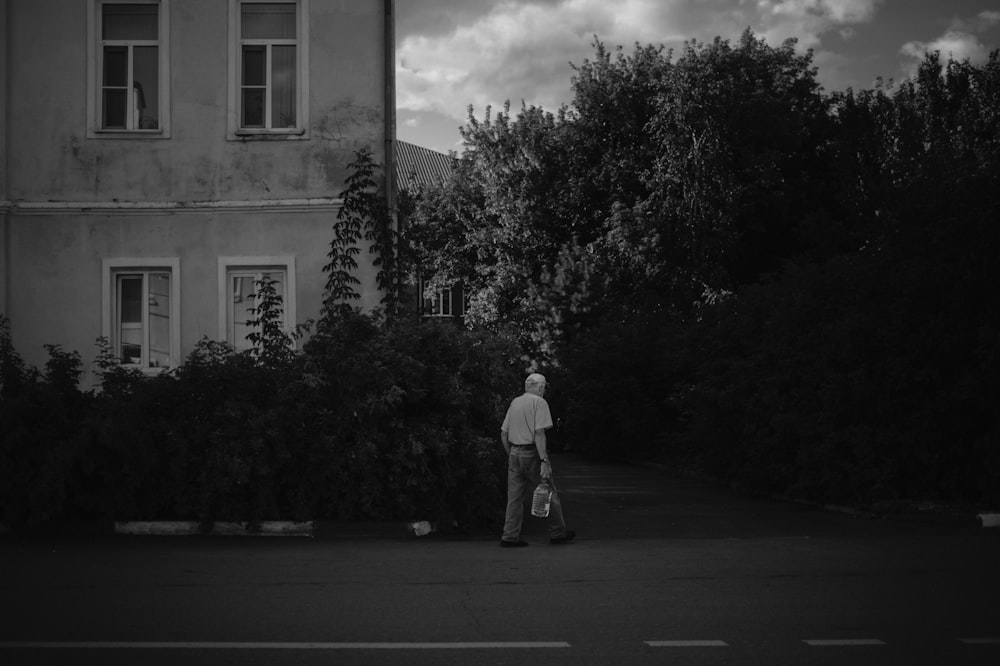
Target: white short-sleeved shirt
526,414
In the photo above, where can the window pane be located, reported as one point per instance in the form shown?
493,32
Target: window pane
279,280
115,66
283,86
278,277
131,353
123,21
253,107
254,65
130,299
435,305
159,320
243,297
243,302
114,103
267,20
130,318
146,78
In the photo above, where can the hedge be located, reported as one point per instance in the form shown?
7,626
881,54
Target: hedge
370,420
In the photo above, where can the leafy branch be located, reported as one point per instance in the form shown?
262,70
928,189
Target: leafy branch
364,215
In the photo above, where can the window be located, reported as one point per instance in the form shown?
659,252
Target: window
267,65
449,302
141,320
243,304
238,280
128,67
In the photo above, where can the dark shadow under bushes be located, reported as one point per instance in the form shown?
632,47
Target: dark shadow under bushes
370,421
868,380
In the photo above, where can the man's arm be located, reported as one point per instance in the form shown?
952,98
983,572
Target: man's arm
543,453
505,441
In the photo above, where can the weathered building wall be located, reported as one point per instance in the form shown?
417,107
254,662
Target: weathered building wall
193,192
3,156
48,111
63,253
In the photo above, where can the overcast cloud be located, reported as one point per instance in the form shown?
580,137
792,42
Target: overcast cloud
960,41
453,53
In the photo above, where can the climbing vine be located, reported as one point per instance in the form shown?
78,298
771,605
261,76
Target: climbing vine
364,215
272,345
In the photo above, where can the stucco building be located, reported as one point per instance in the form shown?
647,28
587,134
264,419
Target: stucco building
160,155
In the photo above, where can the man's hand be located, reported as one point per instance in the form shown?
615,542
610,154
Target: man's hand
546,470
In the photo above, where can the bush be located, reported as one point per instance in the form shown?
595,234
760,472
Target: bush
370,421
864,380
411,407
43,450
861,381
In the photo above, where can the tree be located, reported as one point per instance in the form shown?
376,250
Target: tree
659,187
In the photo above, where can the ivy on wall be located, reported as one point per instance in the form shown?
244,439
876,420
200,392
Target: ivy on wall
364,215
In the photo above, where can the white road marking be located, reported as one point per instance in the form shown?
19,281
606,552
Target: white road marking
234,645
257,645
844,641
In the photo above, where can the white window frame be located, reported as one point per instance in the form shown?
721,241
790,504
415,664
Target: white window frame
110,270
443,297
300,131
95,56
231,265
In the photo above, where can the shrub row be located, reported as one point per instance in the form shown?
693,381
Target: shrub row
869,380
368,421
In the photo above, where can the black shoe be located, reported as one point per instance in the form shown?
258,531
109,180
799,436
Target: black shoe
513,544
566,538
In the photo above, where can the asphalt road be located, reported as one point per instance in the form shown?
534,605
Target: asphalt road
665,570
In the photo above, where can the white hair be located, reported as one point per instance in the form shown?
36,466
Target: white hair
534,379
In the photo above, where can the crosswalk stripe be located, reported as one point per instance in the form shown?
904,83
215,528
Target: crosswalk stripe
686,644
844,641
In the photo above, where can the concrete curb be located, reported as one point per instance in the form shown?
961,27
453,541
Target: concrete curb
989,519
192,527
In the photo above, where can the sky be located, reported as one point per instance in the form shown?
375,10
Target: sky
451,54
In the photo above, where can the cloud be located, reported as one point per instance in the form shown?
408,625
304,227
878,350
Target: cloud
434,18
483,53
808,20
989,18
959,42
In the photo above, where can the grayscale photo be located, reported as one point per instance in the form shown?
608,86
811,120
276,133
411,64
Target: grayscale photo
471,332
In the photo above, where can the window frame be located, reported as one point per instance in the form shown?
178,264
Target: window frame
442,298
95,76
235,131
111,269
231,265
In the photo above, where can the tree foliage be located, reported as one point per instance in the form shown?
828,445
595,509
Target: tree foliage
792,289
659,186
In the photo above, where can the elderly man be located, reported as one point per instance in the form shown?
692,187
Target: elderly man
523,438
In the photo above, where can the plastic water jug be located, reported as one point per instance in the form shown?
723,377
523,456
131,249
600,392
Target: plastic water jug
541,500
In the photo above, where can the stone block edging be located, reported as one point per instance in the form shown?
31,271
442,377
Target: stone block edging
222,528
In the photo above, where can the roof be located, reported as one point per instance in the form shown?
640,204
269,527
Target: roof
416,165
